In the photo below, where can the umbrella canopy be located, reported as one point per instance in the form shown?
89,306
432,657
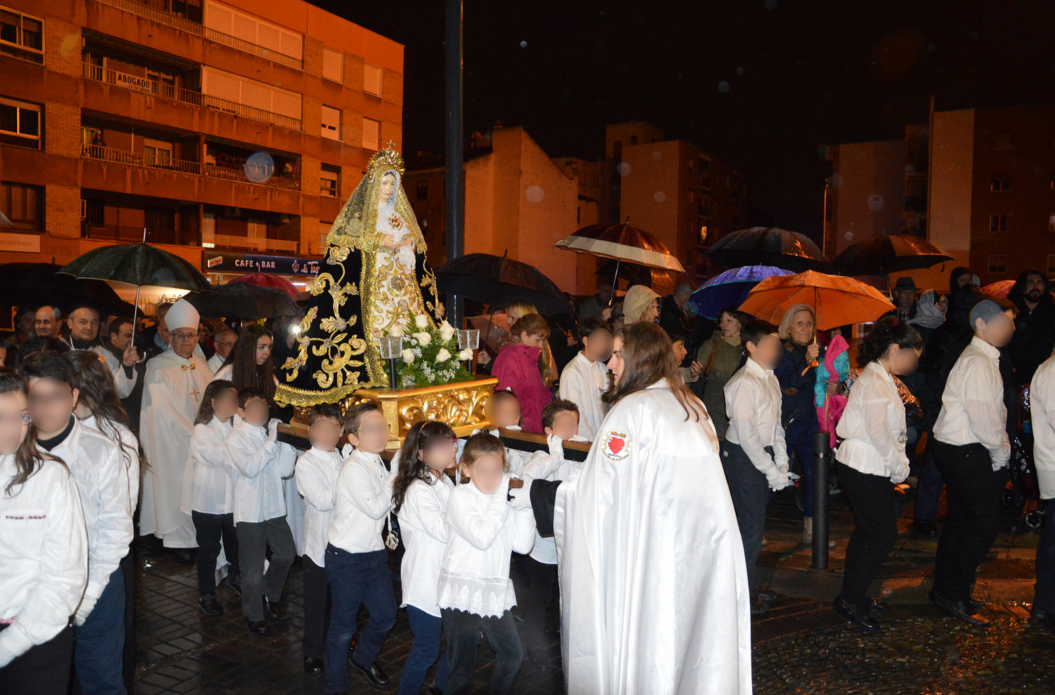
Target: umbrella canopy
501,281
40,283
890,254
769,246
243,301
275,282
624,243
1000,288
836,301
493,329
729,289
137,264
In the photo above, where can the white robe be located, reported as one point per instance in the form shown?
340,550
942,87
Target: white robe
172,391
654,591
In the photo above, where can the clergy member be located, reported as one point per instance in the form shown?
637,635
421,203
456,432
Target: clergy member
83,324
224,340
172,389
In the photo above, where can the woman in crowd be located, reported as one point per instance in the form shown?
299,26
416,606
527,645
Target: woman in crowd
720,357
641,304
250,364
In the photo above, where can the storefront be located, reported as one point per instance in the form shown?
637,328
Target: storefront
222,266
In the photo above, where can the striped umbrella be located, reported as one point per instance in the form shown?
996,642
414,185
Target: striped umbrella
622,243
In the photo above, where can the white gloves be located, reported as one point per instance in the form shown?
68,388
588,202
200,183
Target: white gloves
521,496
272,429
778,479
900,473
556,445
347,450
85,609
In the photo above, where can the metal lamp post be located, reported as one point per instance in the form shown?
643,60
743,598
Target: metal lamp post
392,350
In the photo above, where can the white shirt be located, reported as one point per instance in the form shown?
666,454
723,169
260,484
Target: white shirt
972,406
316,475
215,362
211,487
102,480
872,426
43,556
752,402
545,549
364,498
257,467
484,530
582,382
122,382
423,525
128,445
1042,411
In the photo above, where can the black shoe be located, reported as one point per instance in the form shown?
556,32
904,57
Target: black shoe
373,673
960,611
256,627
876,606
862,619
975,605
758,608
271,611
210,606
312,666
925,528
433,690
183,556
766,596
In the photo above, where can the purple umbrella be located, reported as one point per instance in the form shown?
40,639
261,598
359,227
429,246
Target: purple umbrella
730,289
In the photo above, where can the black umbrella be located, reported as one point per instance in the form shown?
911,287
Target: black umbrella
769,246
500,281
889,254
40,283
242,301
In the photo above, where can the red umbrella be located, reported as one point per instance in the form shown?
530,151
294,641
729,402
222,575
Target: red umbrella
275,282
1000,288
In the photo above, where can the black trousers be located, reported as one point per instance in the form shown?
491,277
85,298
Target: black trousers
253,542
209,529
316,609
43,670
462,631
128,667
975,497
875,531
539,594
750,493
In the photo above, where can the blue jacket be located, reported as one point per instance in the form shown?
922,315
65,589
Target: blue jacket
797,404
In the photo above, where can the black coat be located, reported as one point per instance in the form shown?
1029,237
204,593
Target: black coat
1034,337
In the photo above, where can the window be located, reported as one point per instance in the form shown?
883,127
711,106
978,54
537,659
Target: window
23,205
19,123
633,139
997,264
21,35
333,65
324,231
371,134
1051,263
256,31
1002,141
423,189
999,223
258,95
1000,182
617,150
372,80
329,181
331,123
157,153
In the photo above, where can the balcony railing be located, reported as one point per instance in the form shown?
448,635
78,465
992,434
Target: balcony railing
110,154
167,91
190,27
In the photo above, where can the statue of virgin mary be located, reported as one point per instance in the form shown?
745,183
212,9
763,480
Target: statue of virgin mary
373,282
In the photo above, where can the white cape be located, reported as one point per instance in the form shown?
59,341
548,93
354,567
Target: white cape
654,592
172,392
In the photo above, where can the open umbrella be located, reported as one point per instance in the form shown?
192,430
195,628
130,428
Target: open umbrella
836,301
41,283
275,282
889,254
494,329
500,281
243,301
768,246
729,289
1000,288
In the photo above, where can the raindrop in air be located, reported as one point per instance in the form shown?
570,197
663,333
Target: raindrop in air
723,87
740,70
659,197
523,44
259,167
875,202
534,193
624,169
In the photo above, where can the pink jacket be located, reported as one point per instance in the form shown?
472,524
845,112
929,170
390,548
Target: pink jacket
516,368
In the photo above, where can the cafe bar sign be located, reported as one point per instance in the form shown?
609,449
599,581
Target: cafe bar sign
221,262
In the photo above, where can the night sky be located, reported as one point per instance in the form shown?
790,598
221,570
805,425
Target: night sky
762,84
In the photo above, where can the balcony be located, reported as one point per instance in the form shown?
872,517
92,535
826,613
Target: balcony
110,154
134,83
177,22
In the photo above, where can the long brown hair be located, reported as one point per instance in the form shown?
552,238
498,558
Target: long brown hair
648,356
412,457
28,458
205,412
89,374
245,372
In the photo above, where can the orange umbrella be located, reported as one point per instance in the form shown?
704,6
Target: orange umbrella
1000,288
836,301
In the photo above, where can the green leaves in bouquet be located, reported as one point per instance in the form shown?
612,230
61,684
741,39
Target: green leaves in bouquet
430,357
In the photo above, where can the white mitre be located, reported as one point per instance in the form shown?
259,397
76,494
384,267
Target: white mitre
182,315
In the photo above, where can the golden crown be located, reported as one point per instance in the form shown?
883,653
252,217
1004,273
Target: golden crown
384,160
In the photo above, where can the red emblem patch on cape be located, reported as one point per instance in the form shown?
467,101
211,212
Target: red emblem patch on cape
615,445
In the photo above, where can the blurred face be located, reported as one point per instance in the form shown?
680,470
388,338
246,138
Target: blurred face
183,341
123,337
486,472
904,362
263,349
729,326
963,280
14,421
372,436
225,343
44,323
84,324
439,454
652,312
1035,287
679,351
565,425
942,303
605,294
802,328
767,352
505,413
532,340
388,186
256,412
27,324
598,345
51,404
998,331
324,433
615,363
225,404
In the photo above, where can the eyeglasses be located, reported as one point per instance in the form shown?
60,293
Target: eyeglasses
183,336
21,420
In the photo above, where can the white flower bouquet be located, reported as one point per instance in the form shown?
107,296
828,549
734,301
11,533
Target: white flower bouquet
431,356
